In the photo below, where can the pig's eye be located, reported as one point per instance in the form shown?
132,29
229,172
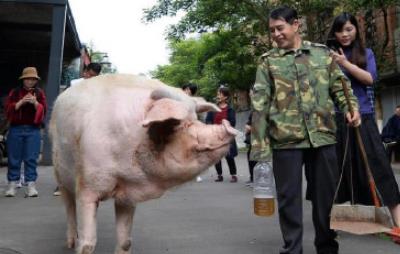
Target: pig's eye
187,124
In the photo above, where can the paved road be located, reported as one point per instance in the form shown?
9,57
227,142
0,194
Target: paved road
197,218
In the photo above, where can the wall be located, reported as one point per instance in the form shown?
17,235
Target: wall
390,99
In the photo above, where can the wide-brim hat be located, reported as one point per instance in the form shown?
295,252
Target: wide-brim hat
29,72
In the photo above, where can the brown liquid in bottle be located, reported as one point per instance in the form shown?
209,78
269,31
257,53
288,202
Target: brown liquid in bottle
264,206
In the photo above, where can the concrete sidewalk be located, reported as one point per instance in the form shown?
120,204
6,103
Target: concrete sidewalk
197,218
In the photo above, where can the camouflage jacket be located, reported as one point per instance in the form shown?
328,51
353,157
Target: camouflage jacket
293,100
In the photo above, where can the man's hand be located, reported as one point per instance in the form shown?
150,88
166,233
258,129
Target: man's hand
354,120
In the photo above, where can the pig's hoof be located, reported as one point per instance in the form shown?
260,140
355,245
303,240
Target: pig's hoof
71,243
124,248
87,249
127,245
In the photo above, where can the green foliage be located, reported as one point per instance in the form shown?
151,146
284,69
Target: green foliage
211,60
208,15
184,63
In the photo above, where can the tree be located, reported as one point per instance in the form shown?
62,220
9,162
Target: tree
234,36
209,15
211,60
248,16
251,16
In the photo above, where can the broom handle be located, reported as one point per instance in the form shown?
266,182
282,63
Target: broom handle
371,181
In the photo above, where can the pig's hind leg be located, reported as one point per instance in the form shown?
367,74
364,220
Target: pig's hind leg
124,218
87,203
70,205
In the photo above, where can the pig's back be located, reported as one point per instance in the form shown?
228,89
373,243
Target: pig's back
102,102
96,125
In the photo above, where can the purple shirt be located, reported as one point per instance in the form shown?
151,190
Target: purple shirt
364,93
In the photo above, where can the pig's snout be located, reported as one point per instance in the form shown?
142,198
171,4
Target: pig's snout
224,134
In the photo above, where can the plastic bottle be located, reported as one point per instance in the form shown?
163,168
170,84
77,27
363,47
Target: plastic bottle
264,189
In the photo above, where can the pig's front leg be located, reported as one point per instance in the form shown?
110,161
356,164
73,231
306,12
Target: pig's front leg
87,203
124,217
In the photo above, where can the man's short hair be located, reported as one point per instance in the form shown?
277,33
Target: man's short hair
192,87
284,12
96,67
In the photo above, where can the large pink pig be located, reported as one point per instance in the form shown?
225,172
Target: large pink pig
128,138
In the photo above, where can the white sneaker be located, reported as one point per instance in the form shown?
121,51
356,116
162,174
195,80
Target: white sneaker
19,185
198,179
12,189
31,190
57,191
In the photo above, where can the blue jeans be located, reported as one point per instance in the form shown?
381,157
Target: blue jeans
23,144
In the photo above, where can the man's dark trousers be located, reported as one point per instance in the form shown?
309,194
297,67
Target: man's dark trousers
322,175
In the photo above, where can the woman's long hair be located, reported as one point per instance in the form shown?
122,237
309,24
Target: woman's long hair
357,46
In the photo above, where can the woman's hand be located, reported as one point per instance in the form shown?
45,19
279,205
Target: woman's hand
29,98
24,100
339,57
33,100
360,74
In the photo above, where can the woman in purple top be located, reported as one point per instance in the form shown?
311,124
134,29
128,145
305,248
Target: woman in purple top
358,63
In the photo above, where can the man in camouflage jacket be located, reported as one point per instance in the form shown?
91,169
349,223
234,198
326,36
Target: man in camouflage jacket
293,124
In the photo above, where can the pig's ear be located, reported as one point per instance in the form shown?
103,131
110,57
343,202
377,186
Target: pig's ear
161,120
165,109
204,106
